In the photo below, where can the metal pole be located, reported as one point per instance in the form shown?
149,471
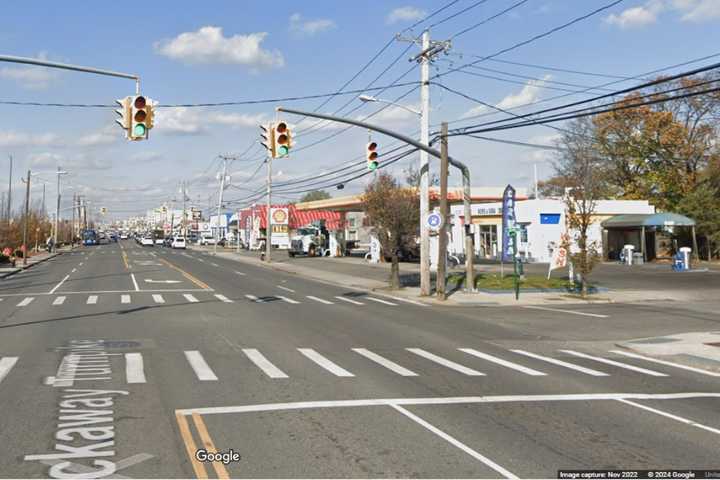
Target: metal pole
27,211
220,197
424,166
237,228
268,228
66,66
57,211
72,225
442,239
184,229
9,208
44,209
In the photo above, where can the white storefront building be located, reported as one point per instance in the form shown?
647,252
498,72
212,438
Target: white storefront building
542,221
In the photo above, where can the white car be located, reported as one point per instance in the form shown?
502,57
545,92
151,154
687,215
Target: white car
123,236
159,241
206,239
178,242
147,241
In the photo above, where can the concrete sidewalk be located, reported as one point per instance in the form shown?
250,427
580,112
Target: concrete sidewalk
31,261
697,349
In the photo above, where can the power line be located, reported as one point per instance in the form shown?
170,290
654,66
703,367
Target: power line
556,69
459,12
493,17
536,79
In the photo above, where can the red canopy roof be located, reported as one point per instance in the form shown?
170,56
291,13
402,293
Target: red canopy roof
298,218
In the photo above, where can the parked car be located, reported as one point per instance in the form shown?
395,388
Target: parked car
123,236
147,241
178,242
206,239
167,241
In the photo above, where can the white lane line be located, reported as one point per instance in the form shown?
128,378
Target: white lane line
381,301
617,364
137,289
319,300
665,362
92,299
254,298
325,363
190,298
263,363
572,312
6,363
124,298
389,364
670,415
73,270
555,361
455,442
504,363
286,289
134,369
200,260
199,365
223,298
26,301
286,299
239,273
444,362
345,299
81,263
406,300
214,264
58,285
59,301
158,298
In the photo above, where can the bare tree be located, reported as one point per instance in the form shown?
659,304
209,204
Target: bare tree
394,212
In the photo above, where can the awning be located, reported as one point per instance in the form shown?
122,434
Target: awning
333,220
638,220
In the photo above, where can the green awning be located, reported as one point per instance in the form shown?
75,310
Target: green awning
638,220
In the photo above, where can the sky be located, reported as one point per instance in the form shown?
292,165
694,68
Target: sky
223,51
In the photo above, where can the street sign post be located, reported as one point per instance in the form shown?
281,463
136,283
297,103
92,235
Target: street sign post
434,221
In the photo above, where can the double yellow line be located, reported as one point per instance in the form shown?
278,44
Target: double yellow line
191,447
185,274
125,259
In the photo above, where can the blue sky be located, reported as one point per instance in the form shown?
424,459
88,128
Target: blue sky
204,52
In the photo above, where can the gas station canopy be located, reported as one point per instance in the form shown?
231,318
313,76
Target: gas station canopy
639,220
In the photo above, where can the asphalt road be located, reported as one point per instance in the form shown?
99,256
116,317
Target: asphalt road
122,361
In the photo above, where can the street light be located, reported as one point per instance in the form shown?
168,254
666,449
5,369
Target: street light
371,99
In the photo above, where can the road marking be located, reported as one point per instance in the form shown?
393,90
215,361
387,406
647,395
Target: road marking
124,298
325,363
223,298
444,362
199,365
190,446
190,298
263,363
25,301
186,275
209,445
125,260
286,289
555,361
504,363
214,264
58,285
617,364
134,368
158,298
73,270
345,299
665,362
200,260
137,288
406,300
286,299
670,415
92,300
6,363
389,364
81,263
573,312
254,298
319,300
239,273
456,443
59,301
381,301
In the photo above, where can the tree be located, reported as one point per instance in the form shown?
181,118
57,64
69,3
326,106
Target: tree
580,168
394,213
412,178
315,195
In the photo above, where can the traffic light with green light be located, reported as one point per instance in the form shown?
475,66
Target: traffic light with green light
283,140
372,155
141,110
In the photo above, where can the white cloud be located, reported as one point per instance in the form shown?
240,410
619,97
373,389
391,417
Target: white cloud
633,17
549,140
393,115
208,45
698,10
474,111
75,163
529,93
20,139
405,14
310,27
196,121
106,136
30,77
647,13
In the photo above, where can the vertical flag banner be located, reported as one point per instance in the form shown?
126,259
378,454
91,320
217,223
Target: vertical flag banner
508,222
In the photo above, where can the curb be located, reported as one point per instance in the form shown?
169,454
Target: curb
22,269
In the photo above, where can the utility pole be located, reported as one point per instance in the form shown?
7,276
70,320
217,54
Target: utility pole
184,218
27,218
268,229
220,197
9,207
57,209
44,209
442,238
428,50
72,225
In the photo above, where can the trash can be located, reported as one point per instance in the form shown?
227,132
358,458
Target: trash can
685,252
638,258
628,250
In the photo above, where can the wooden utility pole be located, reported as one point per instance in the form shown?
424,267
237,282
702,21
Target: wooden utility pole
442,235
27,218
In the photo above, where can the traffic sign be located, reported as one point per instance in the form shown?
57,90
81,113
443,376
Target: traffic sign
434,221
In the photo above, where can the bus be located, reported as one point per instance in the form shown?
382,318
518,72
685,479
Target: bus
89,237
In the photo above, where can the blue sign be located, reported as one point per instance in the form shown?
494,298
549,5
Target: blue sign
550,218
434,220
508,222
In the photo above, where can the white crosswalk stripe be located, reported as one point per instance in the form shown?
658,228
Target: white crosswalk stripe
378,300
190,298
325,363
389,364
286,299
134,368
555,361
326,302
59,300
614,363
25,301
199,365
223,298
348,300
263,363
92,300
6,364
124,298
500,361
444,362
664,362
157,298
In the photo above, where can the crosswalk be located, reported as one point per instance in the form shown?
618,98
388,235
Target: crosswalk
466,362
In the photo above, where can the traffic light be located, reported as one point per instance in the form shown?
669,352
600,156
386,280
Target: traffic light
372,155
283,140
125,114
141,110
103,210
267,133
